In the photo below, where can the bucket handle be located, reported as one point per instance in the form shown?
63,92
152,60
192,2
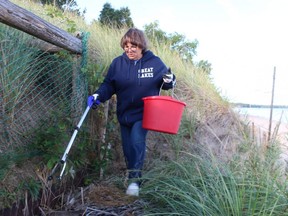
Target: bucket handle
172,94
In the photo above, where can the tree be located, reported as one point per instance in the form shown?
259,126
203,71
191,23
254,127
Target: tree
205,66
153,32
185,48
178,42
115,18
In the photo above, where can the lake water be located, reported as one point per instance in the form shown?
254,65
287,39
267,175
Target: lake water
265,113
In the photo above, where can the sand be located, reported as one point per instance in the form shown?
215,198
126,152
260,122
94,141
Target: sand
263,125
279,131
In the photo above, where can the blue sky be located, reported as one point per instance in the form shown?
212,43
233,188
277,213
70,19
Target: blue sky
243,40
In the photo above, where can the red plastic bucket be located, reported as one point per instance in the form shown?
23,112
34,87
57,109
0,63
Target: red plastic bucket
162,114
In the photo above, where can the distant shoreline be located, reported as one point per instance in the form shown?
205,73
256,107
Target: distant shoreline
241,105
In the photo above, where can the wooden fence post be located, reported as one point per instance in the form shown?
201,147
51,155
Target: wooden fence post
19,18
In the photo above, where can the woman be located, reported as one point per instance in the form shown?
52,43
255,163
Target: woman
137,73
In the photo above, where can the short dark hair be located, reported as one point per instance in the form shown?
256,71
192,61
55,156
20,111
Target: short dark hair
135,37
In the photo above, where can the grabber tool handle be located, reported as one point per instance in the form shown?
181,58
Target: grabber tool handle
65,155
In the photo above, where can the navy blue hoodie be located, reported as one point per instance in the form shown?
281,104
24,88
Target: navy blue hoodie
132,80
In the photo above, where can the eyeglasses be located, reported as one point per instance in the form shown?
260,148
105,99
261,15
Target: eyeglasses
132,48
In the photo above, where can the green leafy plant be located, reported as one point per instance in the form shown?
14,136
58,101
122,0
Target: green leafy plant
71,26
50,140
54,12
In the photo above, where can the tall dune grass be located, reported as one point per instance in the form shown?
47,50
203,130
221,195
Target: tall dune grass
193,186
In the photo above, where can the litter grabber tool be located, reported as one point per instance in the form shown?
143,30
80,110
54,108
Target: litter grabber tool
92,102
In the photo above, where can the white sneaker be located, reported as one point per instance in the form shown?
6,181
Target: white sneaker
133,189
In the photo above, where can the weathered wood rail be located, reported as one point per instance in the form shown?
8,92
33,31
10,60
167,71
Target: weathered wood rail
24,20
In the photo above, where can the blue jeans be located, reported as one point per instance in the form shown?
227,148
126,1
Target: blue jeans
134,146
